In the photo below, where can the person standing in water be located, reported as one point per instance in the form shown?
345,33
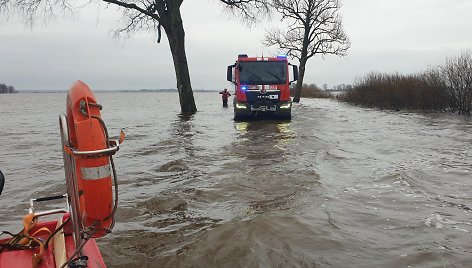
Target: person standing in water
224,96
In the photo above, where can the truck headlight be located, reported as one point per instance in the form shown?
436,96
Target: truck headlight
240,105
285,105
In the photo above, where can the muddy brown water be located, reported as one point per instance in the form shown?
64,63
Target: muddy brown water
337,186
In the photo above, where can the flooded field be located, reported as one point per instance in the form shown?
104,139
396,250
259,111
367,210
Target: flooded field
337,186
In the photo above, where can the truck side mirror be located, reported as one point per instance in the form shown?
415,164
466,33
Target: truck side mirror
2,182
229,73
295,73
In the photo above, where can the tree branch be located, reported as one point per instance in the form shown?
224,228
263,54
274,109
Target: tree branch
133,6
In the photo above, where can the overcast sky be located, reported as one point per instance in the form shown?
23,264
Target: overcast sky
402,36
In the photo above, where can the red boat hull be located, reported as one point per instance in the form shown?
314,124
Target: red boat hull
23,258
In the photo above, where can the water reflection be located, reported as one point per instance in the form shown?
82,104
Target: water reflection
182,130
276,126
263,139
286,133
279,131
242,127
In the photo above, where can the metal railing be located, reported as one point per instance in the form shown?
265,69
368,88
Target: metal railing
71,182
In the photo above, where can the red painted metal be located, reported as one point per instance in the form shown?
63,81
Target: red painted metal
284,88
23,258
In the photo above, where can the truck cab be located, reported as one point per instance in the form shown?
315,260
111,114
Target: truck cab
262,86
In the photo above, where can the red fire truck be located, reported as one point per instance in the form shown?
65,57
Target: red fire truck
262,86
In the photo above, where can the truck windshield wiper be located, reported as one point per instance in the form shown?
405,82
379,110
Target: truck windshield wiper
258,77
279,80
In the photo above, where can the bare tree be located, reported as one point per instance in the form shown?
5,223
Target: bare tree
315,27
6,89
458,77
151,15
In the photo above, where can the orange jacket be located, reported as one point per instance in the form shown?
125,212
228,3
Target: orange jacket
225,94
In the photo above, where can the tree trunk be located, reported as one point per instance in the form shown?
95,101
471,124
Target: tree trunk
173,26
301,75
303,60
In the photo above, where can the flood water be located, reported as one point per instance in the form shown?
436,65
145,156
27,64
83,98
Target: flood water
337,186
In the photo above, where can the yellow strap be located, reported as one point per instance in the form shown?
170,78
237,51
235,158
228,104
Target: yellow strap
29,221
23,238
122,136
40,230
68,150
36,259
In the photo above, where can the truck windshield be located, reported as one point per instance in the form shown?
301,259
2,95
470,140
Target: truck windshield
262,72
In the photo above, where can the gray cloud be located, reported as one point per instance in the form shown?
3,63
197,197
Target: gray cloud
391,36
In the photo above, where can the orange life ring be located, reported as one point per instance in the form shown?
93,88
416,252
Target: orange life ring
93,173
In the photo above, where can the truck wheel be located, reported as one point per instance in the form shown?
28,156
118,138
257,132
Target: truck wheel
237,116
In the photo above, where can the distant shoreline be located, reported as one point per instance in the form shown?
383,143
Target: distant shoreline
115,91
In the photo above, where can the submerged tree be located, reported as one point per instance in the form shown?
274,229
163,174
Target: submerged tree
315,27
457,74
4,89
147,15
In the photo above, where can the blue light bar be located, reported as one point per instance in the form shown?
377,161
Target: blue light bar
281,56
243,88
